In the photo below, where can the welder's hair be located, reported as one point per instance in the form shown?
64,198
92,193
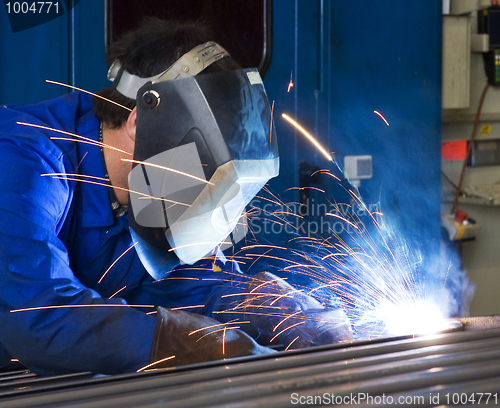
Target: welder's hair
147,51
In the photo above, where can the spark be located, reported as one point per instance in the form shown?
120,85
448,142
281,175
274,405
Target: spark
116,260
286,318
79,164
29,309
218,330
264,284
271,124
286,268
80,139
224,341
216,325
293,341
187,307
343,219
304,188
285,329
155,363
168,169
118,291
59,175
290,84
88,92
379,114
64,176
306,134
262,246
285,295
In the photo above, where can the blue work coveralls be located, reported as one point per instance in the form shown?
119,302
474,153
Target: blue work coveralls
58,237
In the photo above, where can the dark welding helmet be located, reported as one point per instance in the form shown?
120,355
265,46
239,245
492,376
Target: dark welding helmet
205,145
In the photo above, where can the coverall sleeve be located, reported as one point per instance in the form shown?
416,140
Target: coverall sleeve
35,272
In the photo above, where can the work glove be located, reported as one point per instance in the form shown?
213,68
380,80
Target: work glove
283,317
193,338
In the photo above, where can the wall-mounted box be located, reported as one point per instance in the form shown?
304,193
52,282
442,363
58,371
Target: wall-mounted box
456,62
467,6
485,153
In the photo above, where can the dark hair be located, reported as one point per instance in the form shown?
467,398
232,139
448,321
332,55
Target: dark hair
147,51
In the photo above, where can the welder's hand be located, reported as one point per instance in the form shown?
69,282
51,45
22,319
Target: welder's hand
193,338
283,317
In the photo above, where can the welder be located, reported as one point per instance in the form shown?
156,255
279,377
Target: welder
111,234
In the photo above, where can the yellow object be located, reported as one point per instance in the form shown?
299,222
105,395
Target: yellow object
485,130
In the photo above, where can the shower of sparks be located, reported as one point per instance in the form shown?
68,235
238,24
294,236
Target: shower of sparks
80,139
306,134
155,363
379,114
88,92
167,169
116,260
290,84
374,276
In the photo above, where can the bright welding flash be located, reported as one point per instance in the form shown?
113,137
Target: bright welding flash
415,317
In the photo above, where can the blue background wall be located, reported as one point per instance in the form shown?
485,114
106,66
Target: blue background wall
69,49
346,58
349,59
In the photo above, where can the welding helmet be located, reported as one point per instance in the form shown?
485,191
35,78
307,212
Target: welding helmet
205,145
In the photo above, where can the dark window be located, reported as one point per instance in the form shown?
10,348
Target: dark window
242,27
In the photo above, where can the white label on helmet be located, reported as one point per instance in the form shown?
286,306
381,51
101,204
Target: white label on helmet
254,77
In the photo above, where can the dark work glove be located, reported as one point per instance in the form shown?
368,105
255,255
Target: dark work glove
194,338
284,317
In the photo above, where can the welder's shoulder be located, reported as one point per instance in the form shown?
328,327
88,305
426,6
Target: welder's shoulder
38,128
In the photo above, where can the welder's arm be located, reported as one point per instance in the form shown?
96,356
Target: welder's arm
263,305
69,334
186,338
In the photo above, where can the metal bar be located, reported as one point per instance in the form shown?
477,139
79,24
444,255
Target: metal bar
386,385
325,364
282,361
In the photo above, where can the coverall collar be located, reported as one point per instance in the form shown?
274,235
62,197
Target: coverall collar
95,197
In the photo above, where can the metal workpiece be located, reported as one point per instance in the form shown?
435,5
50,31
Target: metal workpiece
436,366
